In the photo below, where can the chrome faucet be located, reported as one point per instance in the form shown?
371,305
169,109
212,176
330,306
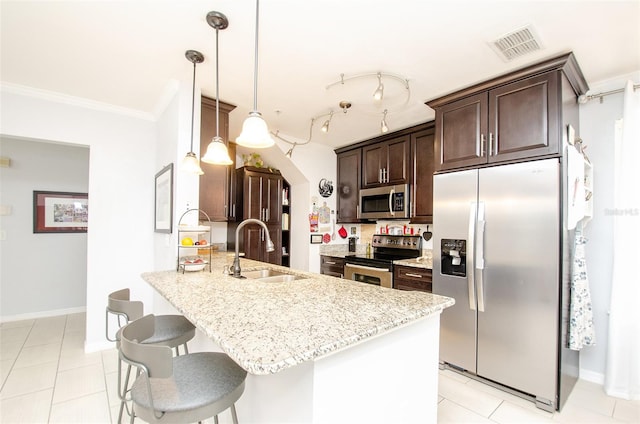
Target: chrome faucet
236,259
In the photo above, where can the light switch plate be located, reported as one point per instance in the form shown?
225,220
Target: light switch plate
5,210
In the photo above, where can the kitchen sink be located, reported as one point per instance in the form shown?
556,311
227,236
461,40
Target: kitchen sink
270,275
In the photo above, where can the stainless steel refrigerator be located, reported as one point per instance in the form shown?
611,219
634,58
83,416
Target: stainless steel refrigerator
499,248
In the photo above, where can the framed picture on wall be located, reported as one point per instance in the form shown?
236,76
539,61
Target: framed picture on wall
164,200
60,212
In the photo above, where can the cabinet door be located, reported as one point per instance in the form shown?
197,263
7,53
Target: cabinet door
386,162
461,128
271,199
214,184
275,257
398,166
348,187
523,118
374,160
423,166
330,265
252,244
252,196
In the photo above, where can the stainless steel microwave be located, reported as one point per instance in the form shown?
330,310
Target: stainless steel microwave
386,202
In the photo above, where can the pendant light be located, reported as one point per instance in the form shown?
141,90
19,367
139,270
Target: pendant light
190,163
255,133
217,152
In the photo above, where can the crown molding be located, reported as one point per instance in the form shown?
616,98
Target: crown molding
74,101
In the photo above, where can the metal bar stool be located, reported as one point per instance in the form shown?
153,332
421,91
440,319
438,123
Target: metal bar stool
179,389
169,331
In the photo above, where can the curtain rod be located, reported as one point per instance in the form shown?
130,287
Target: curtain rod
585,98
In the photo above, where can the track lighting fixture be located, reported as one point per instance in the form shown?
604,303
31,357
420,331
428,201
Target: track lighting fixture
383,124
190,164
379,93
217,152
255,133
325,126
379,99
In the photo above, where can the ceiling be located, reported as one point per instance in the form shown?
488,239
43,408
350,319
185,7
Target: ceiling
130,53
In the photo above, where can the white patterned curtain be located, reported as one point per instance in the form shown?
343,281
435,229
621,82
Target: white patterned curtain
622,374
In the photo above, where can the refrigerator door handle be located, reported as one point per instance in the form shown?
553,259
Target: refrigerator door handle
473,209
479,257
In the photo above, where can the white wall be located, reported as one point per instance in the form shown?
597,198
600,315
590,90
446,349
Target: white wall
40,272
316,161
597,130
121,188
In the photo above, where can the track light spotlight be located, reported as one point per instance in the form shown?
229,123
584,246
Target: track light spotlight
325,126
290,151
379,93
383,124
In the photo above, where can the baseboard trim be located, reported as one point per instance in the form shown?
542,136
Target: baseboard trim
592,376
42,314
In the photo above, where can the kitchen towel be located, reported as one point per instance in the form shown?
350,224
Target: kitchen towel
581,332
575,185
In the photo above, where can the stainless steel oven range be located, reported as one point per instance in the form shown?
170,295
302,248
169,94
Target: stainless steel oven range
377,268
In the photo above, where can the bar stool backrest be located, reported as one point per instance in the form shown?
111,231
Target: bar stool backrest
157,360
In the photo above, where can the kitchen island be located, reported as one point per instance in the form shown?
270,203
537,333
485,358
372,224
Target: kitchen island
317,349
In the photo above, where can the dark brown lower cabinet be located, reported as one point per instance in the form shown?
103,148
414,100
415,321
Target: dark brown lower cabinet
332,265
412,278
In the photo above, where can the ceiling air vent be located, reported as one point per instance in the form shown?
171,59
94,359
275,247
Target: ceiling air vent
517,43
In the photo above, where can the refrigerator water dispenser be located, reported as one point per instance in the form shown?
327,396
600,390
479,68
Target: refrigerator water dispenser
453,257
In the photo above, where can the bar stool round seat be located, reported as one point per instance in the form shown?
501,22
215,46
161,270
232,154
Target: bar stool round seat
187,388
170,330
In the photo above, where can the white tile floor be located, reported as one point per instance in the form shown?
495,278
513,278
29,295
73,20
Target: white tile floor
47,378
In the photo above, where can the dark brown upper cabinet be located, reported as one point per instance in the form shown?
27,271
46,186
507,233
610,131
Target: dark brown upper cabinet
348,186
386,163
510,118
422,183
216,181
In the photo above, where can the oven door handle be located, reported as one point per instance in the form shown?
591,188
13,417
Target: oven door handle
367,268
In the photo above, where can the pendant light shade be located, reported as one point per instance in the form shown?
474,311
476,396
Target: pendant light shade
217,152
255,133
190,163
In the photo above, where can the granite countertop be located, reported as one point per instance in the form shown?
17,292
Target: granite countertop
267,327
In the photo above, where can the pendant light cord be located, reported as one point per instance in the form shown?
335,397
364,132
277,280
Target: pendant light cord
193,101
255,68
217,91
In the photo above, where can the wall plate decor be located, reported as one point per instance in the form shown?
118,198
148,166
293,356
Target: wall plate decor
325,187
60,212
164,200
